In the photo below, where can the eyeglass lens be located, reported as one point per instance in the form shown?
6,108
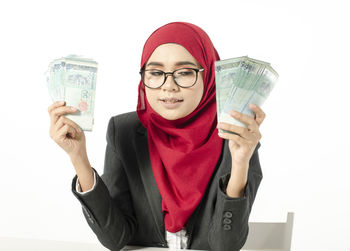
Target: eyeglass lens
185,77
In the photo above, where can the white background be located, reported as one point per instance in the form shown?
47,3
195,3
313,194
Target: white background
305,144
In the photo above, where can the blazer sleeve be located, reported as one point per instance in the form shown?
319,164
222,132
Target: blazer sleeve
229,226
108,207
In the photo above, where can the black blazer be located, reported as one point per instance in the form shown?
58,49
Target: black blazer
125,207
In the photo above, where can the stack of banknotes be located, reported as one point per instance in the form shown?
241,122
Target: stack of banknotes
239,82
73,79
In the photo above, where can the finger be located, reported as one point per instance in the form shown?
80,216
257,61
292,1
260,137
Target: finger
59,123
243,132
66,132
71,133
259,113
63,120
57,112
246,119
61,133
55,105
235,138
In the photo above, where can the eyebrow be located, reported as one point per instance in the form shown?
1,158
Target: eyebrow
176,64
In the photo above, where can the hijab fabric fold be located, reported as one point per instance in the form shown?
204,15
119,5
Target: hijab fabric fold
183,152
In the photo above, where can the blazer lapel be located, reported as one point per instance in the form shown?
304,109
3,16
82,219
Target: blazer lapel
149,182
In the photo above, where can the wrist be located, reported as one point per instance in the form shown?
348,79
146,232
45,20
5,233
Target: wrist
238,180
239,167
235,186
80,162
239,163
78,157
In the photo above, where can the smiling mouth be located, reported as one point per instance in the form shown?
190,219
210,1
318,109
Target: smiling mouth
171,100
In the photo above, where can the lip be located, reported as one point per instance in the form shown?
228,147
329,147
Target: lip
170,103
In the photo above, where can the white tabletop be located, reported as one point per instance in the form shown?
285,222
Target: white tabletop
22,244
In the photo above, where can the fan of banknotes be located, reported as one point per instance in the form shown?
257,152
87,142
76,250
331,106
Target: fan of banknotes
239,82
73,79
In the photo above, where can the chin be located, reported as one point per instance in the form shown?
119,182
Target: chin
168,116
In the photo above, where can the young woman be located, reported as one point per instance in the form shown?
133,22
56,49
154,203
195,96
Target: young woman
170,180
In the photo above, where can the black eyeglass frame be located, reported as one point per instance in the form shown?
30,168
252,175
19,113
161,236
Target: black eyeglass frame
166,74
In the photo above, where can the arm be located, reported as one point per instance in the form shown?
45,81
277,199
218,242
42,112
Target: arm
239,187
237,181
229,227
78,186
107,207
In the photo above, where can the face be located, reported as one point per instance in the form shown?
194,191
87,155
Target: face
170,100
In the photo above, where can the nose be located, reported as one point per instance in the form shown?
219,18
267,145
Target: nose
170,83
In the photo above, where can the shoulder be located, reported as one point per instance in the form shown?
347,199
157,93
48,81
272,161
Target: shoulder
125,120
123,126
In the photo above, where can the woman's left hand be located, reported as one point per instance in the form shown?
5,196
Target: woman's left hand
242,145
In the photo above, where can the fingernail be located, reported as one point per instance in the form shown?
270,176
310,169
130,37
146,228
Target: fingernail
61,102
73,108
252,105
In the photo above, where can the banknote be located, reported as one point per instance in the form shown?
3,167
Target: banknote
73,79
240,82
54,80
226,74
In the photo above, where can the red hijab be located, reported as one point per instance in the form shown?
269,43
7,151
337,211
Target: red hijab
183,152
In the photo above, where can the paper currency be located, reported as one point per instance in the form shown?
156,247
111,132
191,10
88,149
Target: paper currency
73,79
239,82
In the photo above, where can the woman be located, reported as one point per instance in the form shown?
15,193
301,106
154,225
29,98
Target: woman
170,180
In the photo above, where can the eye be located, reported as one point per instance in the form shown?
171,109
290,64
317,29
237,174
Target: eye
156,73
185,72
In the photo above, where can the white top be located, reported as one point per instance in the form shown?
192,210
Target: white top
176,240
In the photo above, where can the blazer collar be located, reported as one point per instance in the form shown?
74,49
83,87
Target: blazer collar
141,129
149,182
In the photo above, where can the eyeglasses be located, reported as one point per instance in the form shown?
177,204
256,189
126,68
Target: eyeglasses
184,77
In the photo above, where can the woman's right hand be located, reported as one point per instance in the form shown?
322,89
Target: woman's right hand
65,132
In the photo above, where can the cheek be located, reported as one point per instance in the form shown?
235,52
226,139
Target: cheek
200,91
151,96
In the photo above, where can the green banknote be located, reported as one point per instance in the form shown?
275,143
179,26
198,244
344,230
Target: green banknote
54,80
228,72
240,82
73,79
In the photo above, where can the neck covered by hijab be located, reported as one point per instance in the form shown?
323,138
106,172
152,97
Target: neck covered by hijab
183,152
